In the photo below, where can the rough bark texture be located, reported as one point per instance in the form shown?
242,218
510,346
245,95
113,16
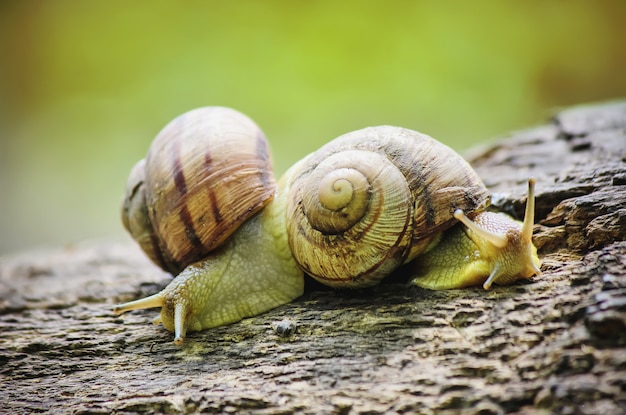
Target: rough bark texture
556,344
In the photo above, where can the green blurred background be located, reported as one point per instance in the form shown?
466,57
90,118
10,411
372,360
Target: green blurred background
86,85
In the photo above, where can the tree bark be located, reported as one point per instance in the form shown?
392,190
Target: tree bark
555,344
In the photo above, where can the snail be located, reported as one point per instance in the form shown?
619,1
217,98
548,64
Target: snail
204,205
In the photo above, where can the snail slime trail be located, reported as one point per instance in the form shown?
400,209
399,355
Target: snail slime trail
348,215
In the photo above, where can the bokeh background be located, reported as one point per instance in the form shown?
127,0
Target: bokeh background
86,85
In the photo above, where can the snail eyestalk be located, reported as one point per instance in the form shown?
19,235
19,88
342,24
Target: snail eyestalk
156,300
529,214
529,221
497,239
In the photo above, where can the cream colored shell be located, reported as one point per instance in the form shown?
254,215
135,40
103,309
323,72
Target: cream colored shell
373,199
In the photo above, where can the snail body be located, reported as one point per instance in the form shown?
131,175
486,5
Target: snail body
348,215
251,273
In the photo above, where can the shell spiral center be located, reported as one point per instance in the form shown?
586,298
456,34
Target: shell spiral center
341,199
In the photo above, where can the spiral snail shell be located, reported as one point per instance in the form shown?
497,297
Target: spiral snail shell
206,172
373,199
204,205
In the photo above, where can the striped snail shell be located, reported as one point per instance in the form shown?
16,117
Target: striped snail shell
205,173
373,199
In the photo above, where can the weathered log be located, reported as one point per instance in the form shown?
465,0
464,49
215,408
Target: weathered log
554,344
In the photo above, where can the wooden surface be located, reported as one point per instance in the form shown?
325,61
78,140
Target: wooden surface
556,344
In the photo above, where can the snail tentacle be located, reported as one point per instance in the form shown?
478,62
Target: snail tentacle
180,328
529,214
156,300
496,239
